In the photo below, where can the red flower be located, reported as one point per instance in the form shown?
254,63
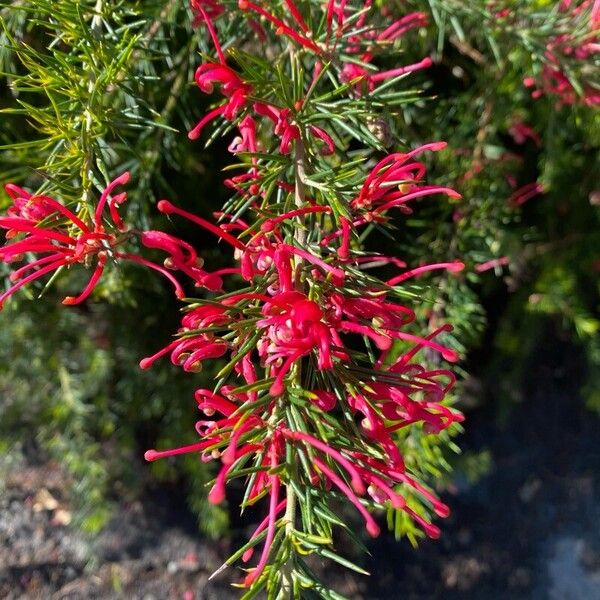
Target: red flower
205,8
247,140
283,28
363,78
294,328
191,348
231,86
58,237
394,181
182,258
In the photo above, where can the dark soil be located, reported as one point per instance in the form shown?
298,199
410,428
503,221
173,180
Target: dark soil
141,554
529,529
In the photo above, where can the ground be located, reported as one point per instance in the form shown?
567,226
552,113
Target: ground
528,529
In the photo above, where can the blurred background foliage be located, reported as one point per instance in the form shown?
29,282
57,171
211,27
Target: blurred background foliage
87,95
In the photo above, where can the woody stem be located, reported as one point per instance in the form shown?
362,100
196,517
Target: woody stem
300,237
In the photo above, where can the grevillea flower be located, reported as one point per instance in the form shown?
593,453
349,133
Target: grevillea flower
553,79
204,9
555,82
364,79
283,128
385,408
189,352
287,131
453,267
182,257
44,227
281,27
231,86
192,347
342,16
168,208
222,438
294,328
394,181
578,7
525,193
246,142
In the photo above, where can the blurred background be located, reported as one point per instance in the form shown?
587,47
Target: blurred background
81,514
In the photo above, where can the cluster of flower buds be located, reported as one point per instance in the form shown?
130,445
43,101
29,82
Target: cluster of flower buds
42,227
55,237
510,162
579,47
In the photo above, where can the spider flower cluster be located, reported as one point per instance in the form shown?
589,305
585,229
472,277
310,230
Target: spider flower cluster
581,47
312,369
322,364
322,367
39,226
48,237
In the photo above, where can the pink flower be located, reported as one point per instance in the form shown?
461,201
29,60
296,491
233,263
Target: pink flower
283,28
294,328
231,86
189,352
168,208
364,79
454,267
394,181
521,133
246,142
182,258
63,239
525,193
192,348
287,131
205,8
46,228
